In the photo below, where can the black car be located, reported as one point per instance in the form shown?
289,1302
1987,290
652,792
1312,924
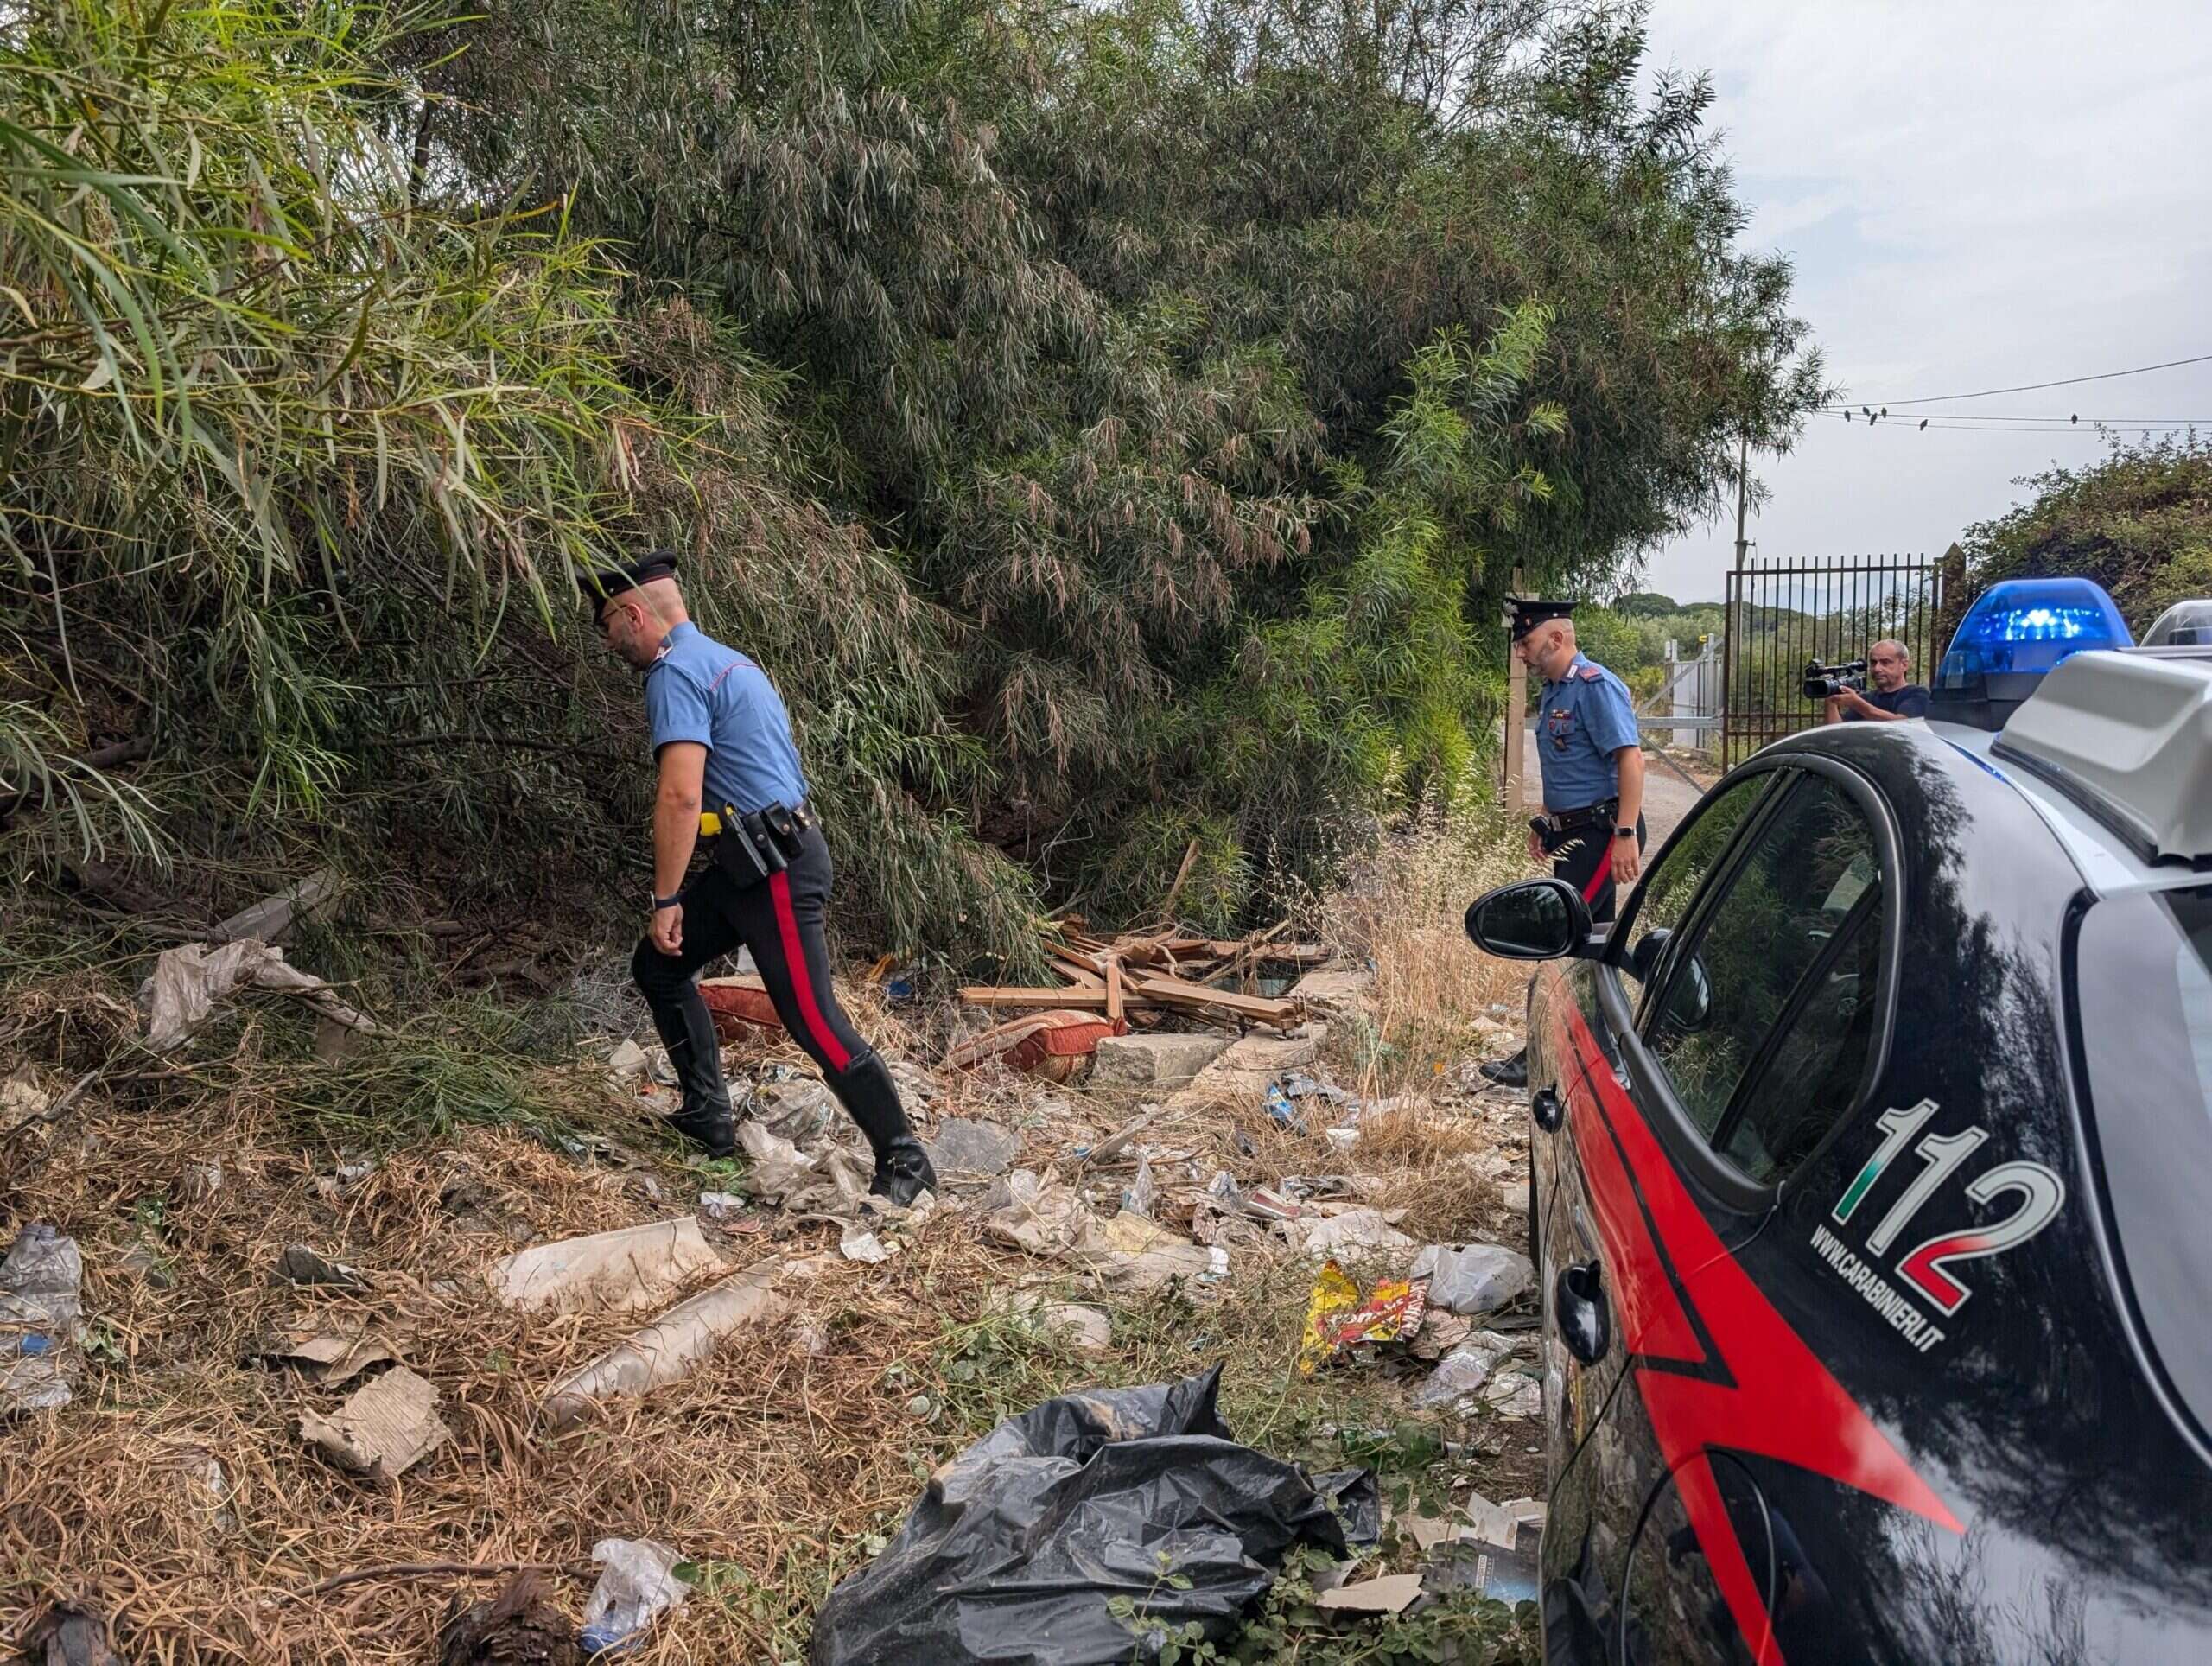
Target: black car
1872,1183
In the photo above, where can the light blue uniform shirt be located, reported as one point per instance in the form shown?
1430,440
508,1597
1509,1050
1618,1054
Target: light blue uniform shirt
700,690
1581,721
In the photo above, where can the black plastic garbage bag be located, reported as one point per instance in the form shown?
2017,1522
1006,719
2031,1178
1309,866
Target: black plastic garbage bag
1018,1544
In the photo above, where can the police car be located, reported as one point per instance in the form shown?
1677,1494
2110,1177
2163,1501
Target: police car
1872,1181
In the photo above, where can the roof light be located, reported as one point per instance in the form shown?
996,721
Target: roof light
2011,637
2185,625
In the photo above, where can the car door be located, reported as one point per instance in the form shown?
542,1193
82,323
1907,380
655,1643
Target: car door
1770,970
1578,1020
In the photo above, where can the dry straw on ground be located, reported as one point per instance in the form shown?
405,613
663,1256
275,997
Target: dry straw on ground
176,1495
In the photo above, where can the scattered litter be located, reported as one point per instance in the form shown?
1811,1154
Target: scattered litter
859,1244
299,1264
638,1586
1391,1594
1174,972
21,1100
740,1004
40,1303
1028,1536
1355,1230
636,1267
187,982
1131,1249
1516,1394
1141,1194
520,1626
1343,1139
1278,1104
42,1282
1463,1371
1491,1554
1085,1329
627,1062
1337,1318
384,1429
797,1111
1047,1044
1441,1332
1032,1213
829,1181
1473,1278
67,1635
722,1207
333,1360
669,1348
1514,1194
964,1146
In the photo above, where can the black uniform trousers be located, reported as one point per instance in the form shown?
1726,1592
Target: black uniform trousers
1584,859
780,920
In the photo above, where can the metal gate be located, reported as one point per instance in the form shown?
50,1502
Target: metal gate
1781,613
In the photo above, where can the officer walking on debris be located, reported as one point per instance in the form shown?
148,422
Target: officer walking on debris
730,774
1592,766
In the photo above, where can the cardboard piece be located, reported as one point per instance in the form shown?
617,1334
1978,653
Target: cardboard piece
384,1429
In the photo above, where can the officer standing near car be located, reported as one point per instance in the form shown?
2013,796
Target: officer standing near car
1592,766
729,773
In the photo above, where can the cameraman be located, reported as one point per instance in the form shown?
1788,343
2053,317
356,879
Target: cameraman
1888,664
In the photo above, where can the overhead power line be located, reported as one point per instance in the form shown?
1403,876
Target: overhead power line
2032,387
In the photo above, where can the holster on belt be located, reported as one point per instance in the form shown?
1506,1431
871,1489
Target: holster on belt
1553,831
753,846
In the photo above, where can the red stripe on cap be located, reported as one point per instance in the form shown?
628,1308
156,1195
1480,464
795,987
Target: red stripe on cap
779,888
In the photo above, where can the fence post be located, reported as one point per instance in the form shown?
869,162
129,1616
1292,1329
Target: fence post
1517,702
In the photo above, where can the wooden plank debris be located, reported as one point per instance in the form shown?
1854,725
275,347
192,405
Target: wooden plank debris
1172,970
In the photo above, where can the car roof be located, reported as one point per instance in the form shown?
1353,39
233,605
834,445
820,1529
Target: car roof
2107,864
2113,750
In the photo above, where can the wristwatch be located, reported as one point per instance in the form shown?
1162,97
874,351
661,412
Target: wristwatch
1623,832
676,901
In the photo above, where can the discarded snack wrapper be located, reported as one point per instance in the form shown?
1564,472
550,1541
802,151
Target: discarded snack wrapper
1337,1319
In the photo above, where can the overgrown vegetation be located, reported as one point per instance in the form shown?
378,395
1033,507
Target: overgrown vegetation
2139,523
1114,426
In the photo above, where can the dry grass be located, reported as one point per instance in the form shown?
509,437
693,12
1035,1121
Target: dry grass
1403,914
774,1469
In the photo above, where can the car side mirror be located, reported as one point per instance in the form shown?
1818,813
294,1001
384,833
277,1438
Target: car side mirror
1689,999
1530,919
1650,948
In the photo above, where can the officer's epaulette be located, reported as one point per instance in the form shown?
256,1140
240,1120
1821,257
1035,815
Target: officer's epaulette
1591,673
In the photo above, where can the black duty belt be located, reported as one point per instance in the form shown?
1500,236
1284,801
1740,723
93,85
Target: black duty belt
755,845
1573,821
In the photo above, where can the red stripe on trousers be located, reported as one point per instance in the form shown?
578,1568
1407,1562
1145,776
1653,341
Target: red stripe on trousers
779,888
1597,880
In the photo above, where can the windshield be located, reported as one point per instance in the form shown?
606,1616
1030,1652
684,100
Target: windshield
2142,976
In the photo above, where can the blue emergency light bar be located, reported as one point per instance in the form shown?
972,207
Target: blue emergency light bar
2011,637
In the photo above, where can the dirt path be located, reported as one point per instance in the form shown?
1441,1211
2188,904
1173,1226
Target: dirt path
1667,798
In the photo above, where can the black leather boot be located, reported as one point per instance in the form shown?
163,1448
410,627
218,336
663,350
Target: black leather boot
1508,1072
902,1171
695,1052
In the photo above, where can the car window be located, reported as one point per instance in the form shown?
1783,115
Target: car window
1812,1074
1663,901
1800,905
2142,982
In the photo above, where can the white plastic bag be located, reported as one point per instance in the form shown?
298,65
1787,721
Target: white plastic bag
639,1583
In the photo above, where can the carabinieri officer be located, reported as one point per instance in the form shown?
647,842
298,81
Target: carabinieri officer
1593,767
724,747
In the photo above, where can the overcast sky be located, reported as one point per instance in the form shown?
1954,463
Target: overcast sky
1976,194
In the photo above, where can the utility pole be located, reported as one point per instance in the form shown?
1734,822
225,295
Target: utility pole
1742,491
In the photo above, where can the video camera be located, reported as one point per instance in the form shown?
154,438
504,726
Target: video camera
1826,682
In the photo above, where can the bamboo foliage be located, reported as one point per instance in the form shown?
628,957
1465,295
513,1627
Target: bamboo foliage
1112,425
